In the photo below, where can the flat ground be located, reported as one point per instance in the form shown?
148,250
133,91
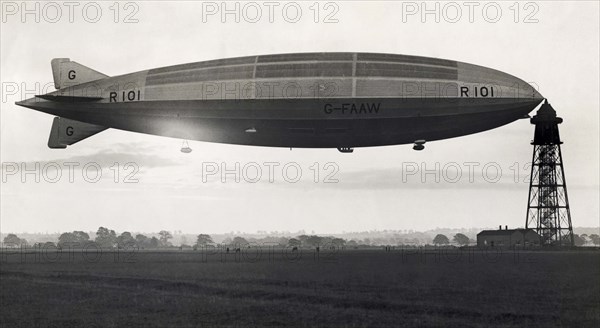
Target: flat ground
352,288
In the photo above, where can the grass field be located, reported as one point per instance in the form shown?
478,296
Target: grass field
352,288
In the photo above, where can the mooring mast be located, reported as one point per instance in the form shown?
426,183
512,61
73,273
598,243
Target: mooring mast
548,210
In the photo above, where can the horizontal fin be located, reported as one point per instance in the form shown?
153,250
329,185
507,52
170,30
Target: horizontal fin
67,73
66,132
59,98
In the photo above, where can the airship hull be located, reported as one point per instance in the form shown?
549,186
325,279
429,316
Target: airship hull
320,100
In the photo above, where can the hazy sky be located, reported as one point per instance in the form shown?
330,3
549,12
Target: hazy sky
559,53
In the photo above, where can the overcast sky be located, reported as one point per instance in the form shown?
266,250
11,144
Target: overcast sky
559,53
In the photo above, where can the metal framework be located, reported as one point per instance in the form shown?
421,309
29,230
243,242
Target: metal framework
548,210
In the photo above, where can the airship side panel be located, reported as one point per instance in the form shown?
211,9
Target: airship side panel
317,56
295,88
206,74
334,69
205,64
306,75
376,57
474,73
405,88
405,71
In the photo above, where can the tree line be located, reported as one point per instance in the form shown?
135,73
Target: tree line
106,238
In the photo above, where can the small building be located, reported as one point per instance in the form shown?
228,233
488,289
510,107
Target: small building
508,238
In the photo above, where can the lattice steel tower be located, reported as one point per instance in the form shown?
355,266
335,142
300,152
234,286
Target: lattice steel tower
548,210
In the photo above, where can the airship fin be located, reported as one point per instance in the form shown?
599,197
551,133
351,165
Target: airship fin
66,132
67,73
60,98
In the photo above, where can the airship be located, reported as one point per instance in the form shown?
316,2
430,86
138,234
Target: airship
298,100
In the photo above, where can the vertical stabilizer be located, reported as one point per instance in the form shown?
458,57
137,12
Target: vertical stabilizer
67,73
66,132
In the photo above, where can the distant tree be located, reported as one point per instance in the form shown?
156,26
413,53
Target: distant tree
314,241
578,241
74,239
154,243
106,238
11,240
81,237
441,240
595,239
283,241
352,243
239,241
293,242
142,241
66,237
338,242
461,239
164,237
327,240
48,245
302,238
203,240
126,240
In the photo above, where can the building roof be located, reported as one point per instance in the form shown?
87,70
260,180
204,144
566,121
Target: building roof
502,232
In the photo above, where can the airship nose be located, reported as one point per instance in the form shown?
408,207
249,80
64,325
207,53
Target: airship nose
505,85
525,90
536,94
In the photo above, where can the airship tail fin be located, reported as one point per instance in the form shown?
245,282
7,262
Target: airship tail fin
72,99
66,132
67,73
